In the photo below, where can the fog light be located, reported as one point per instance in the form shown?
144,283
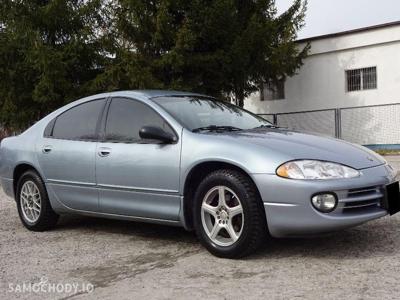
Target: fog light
324,202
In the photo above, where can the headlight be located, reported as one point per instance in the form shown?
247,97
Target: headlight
314,169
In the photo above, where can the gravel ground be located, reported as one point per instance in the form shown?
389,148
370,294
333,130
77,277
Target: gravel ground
137,261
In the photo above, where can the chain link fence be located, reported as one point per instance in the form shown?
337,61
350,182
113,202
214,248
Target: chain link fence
375,126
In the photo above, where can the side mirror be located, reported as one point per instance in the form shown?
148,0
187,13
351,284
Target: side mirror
156,133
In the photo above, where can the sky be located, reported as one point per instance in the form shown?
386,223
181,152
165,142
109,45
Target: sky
330,16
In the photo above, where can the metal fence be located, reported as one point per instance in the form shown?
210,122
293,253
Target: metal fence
365,125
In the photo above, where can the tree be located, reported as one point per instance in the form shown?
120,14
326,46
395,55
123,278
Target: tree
223,48
56,51
49,54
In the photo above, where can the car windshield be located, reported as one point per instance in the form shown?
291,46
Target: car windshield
201,113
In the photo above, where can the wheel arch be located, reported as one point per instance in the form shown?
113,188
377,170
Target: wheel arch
20,169
197,173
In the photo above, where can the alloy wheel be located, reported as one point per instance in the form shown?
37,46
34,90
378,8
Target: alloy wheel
30,201
222,216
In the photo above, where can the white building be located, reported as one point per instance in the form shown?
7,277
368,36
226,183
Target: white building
356,68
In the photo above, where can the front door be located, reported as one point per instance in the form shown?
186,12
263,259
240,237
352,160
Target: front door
137,177
67,154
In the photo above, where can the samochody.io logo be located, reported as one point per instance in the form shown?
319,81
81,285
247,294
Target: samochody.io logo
44,286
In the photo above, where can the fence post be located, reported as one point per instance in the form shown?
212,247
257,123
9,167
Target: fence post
338,123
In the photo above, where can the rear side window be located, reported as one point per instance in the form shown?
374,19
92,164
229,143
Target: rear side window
79,122
127,116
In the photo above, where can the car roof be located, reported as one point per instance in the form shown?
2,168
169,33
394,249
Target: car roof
154,93
141,95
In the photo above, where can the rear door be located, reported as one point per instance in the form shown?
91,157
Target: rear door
137,177
67,153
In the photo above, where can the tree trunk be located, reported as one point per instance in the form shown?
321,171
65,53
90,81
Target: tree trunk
241,102
239,97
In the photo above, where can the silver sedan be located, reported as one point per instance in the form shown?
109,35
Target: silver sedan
190,160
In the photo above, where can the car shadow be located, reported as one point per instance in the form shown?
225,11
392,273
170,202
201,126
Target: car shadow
136,230
377,238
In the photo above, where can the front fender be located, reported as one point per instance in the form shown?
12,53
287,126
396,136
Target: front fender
201,148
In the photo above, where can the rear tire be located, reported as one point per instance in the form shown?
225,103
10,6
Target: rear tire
229,218
33,203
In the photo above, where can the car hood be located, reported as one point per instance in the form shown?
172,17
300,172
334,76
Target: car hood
298,145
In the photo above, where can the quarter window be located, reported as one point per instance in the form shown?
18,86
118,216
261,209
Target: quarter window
79,122
127,116
361,79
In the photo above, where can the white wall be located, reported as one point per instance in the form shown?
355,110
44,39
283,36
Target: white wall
320,83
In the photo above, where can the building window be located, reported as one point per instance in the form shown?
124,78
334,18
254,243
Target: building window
273,90
361,79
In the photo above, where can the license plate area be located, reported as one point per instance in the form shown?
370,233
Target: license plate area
392,198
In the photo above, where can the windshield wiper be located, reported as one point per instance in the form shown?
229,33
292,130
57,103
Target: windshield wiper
216,128
267,126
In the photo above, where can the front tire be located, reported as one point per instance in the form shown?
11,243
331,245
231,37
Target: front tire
33,204
228,215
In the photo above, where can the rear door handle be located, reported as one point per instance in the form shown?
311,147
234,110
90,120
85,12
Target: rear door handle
47,149
104,152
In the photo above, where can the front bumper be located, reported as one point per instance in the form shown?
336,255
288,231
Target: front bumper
289,210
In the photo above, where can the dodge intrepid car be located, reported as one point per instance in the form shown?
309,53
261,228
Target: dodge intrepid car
190,160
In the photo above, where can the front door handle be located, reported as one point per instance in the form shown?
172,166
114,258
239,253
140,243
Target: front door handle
104,152
47,149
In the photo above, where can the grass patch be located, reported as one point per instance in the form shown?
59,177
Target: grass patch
387,152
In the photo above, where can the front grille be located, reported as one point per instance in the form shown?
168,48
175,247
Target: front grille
362,199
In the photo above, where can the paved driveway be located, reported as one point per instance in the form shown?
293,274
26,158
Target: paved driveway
141,261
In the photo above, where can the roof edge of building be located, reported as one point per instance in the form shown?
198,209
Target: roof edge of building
347,32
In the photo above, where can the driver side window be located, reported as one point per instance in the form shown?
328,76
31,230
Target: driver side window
127,116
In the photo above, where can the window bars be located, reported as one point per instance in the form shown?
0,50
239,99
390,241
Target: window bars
272,90
361,79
